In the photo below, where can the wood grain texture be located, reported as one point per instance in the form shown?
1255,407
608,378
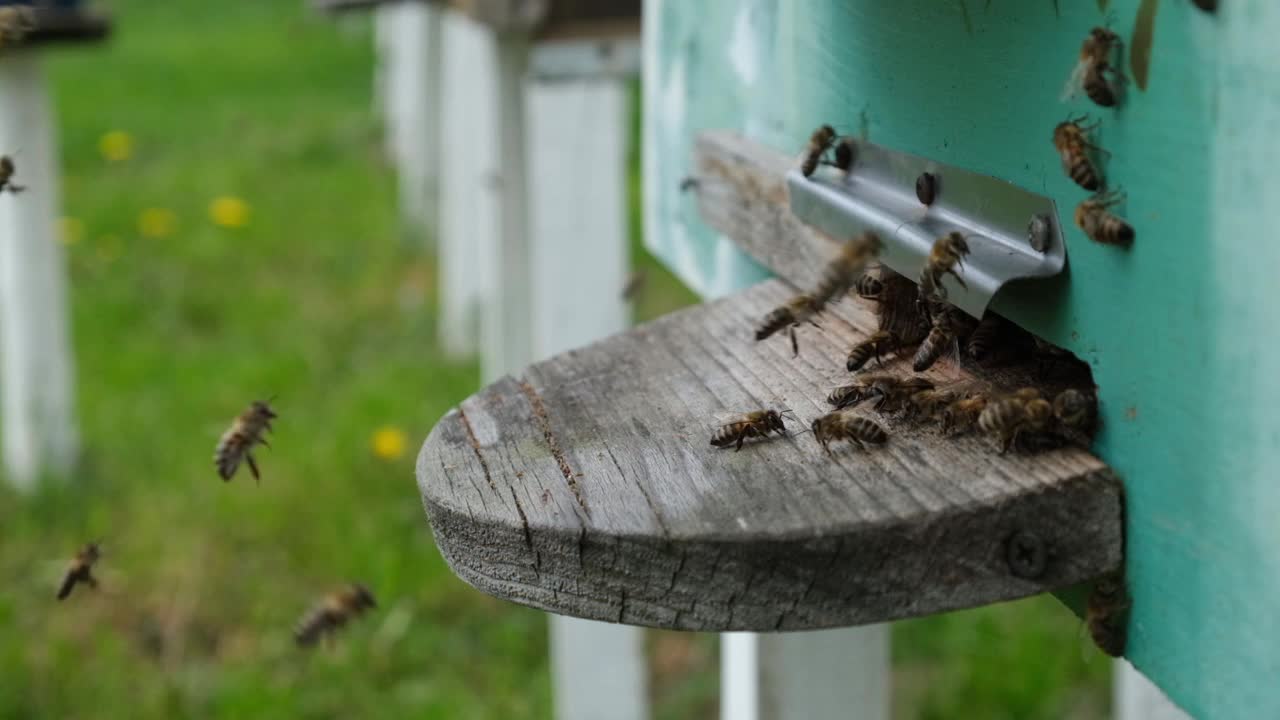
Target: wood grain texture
586,486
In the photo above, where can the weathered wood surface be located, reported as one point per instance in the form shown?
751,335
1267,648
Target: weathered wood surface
587,487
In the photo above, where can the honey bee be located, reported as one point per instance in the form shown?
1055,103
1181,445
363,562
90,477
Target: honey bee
238,441
798,309
869,287
947,254
80,570
894,393
7,169
1094,217
1093,67
846,152
15,23
876,344
933,346
1105,614
844,425
929,404
1072,142
1025,411
332,613
962,415
1074,409
843,270
819,143
758,423
982,341
864,388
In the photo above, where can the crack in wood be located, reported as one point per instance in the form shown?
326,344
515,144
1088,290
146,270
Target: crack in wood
475,445
544,424
528,534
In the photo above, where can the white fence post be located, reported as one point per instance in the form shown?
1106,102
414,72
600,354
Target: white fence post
36,390
577,150
409,39
1134,697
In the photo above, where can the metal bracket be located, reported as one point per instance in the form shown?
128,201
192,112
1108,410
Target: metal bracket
1012,233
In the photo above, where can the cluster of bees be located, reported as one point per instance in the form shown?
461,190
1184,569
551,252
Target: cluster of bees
236,446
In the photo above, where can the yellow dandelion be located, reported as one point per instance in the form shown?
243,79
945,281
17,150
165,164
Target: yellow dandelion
157,222
116,146
70,230
229,211
389,442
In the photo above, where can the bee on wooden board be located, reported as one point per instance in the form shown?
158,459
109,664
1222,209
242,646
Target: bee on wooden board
1094,72
80,570
7,169
1094,217
962,415
799,309
1074,409
1025,411
875,345
1072,142
1106,613
334,611
983,340
755,424
894,393
238,441
845,425
819,143
15,23
869,287
846,267
928,405
950,324
864,388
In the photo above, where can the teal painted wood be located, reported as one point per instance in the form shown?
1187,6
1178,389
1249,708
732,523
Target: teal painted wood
1180,330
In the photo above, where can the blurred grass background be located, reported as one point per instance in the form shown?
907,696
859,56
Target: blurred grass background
231,235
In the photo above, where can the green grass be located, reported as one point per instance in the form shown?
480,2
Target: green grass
323,301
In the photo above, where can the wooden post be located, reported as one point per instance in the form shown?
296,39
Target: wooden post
35,356
577,131
1134,697
831,674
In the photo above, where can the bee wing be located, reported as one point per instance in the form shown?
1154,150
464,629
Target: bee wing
1075,81
729,417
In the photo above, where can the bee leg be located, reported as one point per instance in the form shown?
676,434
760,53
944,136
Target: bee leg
90,580
253,468
741,436
795,344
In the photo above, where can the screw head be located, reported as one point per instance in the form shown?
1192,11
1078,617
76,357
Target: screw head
1038,232
927,188
1026,555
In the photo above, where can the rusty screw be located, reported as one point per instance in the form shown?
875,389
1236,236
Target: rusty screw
1038,232
927,188
1026,555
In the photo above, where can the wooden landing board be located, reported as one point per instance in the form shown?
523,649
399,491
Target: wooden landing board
587,486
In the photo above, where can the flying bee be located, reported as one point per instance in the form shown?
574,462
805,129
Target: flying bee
80,570
237,443
869,287
1105,614
875,345
1074,409
758,423
982,341
947,254
798,309
1011,417
1072,142
844,425
819,143
337,608
844,269
7,169
1093,67
929,404
15,23
845,153
962,415
1094,217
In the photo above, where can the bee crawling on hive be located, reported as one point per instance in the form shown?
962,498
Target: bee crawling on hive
928,405
869,287
755,424
80,570
800,309
1106,613
1094,72
1071,139
950,325
948,253
845,425
1026,411
334,611
1075,410
962,415
875,345
7,169
846,151
985,338
237,442
819,142
1093,216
